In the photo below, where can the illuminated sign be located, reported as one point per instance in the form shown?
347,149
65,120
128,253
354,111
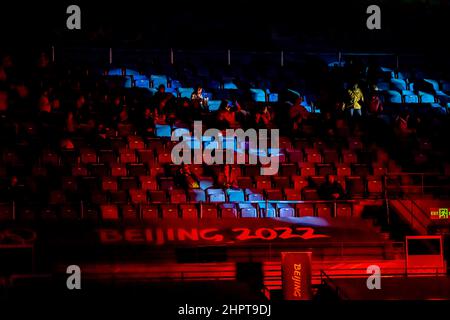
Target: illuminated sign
439,214
296,275
161,236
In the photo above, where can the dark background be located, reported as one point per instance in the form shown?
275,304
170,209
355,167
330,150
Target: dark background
407,25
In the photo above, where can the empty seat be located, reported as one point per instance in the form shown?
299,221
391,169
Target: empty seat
88,156
307,169
109,212
288,169
69,213
118,170
245,182
208,211
235,195
166,183
274,194
164,158
355,187
378,170
107,156
281,182
129,213
361,170
292,194
149,212
248,212
263,182
98,169
138,196
57,197
118,197
324,169
177,196
49,158
148,183
147,156
196,195
349,156
375,187
299,182
254,195
286,210
127,183
343,170
188,211
324,210
295,156
313,156
109,184
215,195
330,156
79,171
343,210
136,169
267,212
69,184
309,194
228,210
157,196
169,211
305,209
127,156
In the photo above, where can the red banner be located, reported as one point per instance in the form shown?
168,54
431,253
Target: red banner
296,273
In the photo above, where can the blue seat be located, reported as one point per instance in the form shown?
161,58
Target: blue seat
273,97
285,210
410,97
426,97
434,83
163,130
213,105
258,95
142,83
253,195
185,92
175,84
268,212
235,195
398,84
197,195
393,96
122,72
229,85
158,80
247,210
206,182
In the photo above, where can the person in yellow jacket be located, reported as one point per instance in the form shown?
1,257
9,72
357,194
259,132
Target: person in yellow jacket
355,97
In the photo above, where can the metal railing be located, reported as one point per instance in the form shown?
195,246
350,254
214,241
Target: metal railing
103,57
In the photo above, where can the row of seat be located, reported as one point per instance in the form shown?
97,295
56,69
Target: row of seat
108,212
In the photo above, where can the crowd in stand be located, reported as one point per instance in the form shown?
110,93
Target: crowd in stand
60,106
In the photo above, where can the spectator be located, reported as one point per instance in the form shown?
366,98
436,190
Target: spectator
228,179
187,179
197,98
375,104
355,97
297,114
226,115
263,118
331,189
